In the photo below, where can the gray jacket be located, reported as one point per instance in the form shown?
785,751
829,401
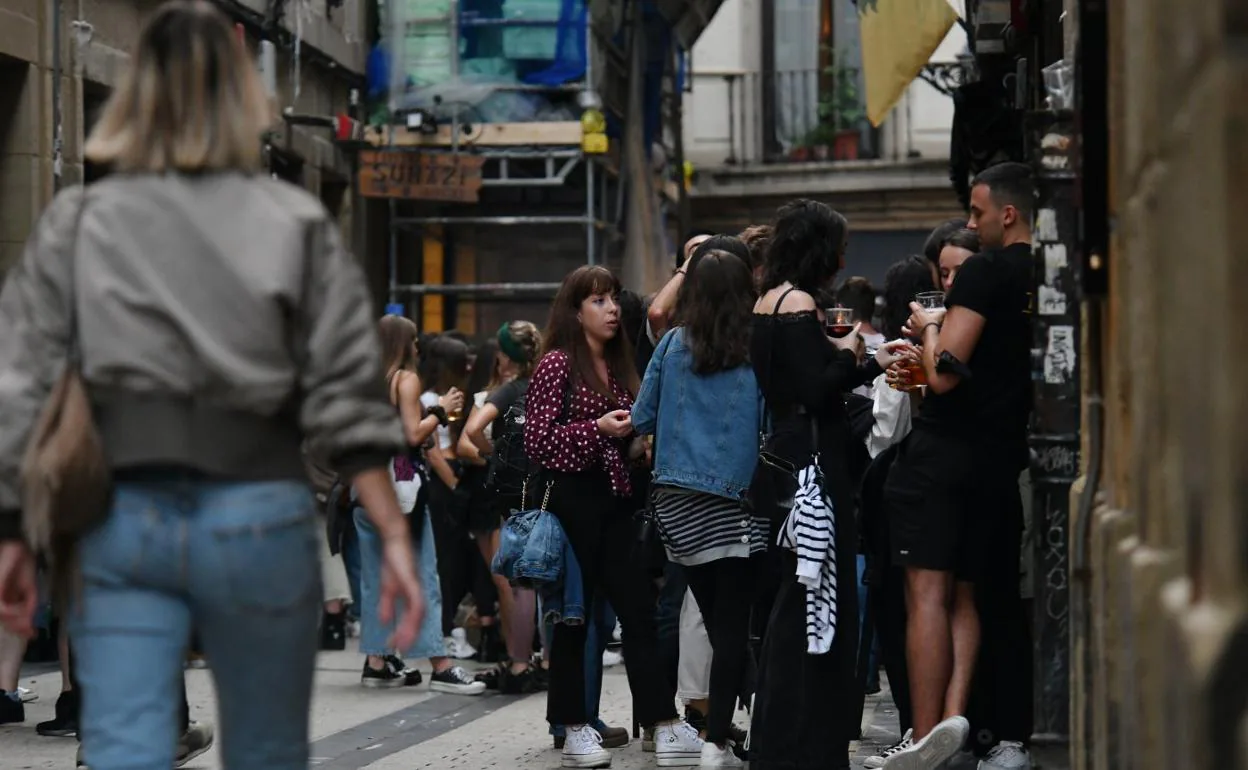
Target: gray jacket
220,321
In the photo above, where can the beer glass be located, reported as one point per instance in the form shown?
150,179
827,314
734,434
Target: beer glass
839,321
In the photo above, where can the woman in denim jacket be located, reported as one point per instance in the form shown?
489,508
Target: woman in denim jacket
701,401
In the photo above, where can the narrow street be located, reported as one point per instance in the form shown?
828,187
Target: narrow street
404,729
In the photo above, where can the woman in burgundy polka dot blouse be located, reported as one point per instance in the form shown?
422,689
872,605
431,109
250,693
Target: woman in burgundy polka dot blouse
578,429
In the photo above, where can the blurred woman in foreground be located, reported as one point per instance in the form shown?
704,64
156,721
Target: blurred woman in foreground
218,324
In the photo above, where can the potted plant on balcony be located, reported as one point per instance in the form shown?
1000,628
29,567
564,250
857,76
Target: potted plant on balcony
821,140
842,110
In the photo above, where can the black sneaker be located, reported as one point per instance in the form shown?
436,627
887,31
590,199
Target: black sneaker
522,683
492,677
455,681
12,710
382,678
334,631
411,676
65,724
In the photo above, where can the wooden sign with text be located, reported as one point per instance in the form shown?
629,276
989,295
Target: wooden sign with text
421,176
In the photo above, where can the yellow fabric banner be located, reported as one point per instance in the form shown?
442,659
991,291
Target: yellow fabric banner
898,38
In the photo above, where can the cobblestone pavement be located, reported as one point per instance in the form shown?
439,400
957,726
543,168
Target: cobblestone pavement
408,729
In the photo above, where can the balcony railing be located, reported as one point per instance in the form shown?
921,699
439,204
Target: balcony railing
789,116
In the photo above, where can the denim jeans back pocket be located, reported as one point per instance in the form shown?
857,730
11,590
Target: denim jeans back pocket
267,545
137,531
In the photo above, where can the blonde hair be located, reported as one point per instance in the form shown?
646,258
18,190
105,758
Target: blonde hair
529,338
189,101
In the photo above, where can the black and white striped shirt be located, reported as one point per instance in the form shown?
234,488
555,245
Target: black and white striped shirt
699,527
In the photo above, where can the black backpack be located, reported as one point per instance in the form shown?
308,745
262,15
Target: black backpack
510,467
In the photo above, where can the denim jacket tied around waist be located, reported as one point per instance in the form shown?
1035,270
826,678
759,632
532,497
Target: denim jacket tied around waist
706,427
533,552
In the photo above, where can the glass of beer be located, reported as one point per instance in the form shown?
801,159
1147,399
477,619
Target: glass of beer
931,300
838,321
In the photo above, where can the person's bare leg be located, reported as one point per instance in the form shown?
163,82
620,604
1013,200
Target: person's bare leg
488,546
62,650
929,646
12,650
965,630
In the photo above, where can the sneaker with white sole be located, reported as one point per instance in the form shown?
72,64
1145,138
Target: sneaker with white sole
876,762
195,741
455,681
936,748
457,645
1007,755
582,747
714,756
677,745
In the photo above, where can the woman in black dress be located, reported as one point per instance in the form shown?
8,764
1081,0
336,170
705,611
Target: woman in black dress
805,704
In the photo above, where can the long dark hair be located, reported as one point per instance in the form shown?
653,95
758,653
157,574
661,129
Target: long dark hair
727,243
903,280
564,331
807,242
715,306
398,343
444,364
485,375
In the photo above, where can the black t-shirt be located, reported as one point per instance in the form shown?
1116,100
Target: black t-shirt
993,405
503,398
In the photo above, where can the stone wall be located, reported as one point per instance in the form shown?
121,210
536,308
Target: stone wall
1162,684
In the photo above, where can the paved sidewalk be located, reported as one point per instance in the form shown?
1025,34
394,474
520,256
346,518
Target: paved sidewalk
406,729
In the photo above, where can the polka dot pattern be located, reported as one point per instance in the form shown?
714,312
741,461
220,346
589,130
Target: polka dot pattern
571,442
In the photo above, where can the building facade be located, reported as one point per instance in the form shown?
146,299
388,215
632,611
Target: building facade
768,80
59,60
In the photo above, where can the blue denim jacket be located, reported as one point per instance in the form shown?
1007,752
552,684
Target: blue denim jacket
706,427
533,552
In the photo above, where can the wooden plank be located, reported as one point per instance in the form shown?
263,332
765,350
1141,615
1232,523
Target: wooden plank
421,176
557,133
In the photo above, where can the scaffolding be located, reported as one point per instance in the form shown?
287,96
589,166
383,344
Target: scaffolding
537,154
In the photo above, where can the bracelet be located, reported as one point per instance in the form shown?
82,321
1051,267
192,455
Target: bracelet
933,323
440,413
681,271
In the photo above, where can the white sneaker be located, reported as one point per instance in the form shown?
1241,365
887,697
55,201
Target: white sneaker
876,762
677,745
27,696
611,658
583,748
936,748
457,645
714,756
1007,755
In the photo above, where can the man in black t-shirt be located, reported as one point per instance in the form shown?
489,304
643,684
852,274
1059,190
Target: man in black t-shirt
952,497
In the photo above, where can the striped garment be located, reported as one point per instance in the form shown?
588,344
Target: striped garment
810,532
699,527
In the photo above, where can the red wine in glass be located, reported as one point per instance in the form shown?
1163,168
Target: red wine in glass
839,330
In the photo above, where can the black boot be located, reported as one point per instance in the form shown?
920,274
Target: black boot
12,711
65,725
492,649
334,631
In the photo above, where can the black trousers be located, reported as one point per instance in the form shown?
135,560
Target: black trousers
460,566
724,590
888,599
805,704
602,533
1001,705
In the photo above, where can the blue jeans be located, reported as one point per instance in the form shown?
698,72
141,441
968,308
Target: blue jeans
601,627
238,561
373,634
351,560
873,666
